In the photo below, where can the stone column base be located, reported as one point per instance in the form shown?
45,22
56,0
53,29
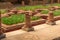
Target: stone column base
51,23
2,36
28,29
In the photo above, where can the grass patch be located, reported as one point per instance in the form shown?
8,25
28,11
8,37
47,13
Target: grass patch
14,19
57,13
31,7
36,6
45,12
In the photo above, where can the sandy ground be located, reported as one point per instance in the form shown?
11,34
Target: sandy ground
42,32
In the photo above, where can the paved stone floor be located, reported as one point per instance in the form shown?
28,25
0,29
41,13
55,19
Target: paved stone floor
42,32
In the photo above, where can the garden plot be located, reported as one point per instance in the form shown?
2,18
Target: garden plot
13,19
20,18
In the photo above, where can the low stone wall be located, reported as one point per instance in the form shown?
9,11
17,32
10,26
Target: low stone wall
20,25
33,23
